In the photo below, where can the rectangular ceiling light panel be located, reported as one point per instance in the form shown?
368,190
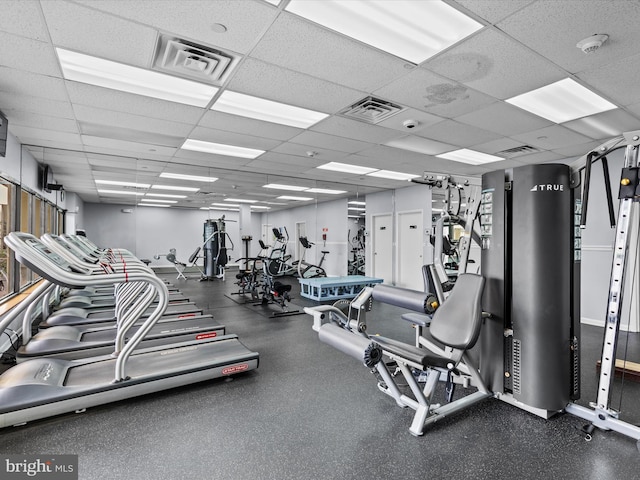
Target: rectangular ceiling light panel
266,110
193,178
122,184
278,186
117,76
289,197
471,157
345,167
327,191
562,101
411,30
221,149
392,175
176,188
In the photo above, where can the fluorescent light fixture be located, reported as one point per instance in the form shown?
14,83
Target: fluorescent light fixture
240,200
122,184
392,175
358,209
193,178
171,187
267,110
328,191
472,157
562,101
278,186
157,200
165,195
408,29
260,207
117,76
354,216
345,167
221,149
225,205
119,192
228,209
354,202
289,197
153,205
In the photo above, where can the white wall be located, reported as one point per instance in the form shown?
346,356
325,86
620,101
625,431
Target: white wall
394,202
149,231
331,216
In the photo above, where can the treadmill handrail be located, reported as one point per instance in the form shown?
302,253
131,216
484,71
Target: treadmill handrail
29,249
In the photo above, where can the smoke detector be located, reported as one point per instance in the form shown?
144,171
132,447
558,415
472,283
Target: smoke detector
592,43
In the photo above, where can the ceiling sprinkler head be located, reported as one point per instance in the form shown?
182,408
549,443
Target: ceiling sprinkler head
592,43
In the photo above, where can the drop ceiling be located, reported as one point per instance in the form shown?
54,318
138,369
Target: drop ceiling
455,98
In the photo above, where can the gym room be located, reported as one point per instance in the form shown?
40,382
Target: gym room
319,239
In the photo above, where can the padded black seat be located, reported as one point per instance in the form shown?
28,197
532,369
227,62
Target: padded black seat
420,356
281,288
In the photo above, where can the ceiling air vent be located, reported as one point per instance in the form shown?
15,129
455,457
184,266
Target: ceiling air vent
517,151
371,110
191,60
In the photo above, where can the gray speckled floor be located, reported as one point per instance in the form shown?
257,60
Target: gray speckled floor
310,412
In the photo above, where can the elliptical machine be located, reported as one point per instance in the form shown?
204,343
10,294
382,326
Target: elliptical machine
308,270
277,265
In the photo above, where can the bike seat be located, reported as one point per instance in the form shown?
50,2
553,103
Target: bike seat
324,251
281,288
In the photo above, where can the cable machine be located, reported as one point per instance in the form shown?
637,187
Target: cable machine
215,248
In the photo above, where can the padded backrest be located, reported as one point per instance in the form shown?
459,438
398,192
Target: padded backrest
458,320
194,255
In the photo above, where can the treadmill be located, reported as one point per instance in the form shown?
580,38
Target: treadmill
45,387
73,342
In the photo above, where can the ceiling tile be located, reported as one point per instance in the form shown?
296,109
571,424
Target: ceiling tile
567,22
323,155
341,144
293,88
114,100
434,94
193,19
551,138
122,147
604,125
24,19
577,150
44,133
30,55
344,127
34,120
237,124
99,116
456,133
493,10
231,138
492,63
505,119
89,31
37,105
303,46
613,81
422,119
31,84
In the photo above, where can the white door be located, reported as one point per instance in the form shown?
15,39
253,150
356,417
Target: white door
382,247
410,250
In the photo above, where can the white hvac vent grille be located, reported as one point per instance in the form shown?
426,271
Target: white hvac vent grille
517,354
193,61
517,151
371,110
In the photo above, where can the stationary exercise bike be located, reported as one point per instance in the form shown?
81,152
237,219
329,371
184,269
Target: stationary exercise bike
276,263
308,270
